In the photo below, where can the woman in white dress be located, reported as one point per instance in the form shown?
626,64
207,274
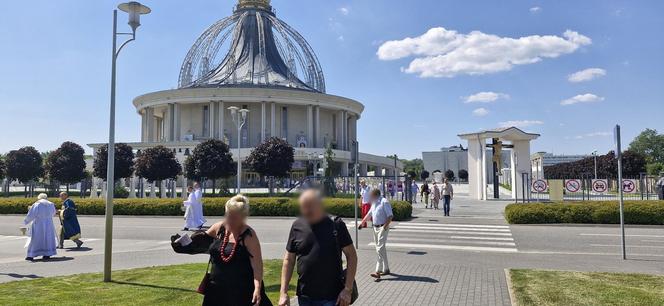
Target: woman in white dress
42,240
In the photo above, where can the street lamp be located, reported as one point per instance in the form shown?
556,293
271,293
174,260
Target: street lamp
239,117
135,10
595,156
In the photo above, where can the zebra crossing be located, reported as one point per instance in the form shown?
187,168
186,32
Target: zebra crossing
460,237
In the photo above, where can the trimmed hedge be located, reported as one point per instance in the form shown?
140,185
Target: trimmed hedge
272,207
593,212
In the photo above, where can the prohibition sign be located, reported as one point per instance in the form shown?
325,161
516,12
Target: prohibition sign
600,186
573,185
540,185
629,186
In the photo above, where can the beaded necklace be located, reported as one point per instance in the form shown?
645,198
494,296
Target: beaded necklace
223,246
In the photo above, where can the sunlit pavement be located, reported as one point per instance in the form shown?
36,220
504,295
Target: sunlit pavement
436,260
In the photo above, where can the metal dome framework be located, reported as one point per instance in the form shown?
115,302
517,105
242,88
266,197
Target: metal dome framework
262,50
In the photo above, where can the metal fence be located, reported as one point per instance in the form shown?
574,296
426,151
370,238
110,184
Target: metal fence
588,188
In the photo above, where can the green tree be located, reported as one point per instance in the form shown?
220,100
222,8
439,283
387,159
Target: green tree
650,144
24,165
157,164
415,165
463,174
66,164
449,174
424,175
273,158
124,161
210,160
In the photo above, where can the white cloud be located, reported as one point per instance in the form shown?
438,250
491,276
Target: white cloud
344,10
594,134
520,123
485,97
584,98
480,112
446,53
586,75
535,9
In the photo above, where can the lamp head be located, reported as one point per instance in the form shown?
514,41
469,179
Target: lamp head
244,113
233,110
135,10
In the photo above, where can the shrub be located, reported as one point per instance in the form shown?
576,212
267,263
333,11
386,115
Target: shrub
273,207
599,212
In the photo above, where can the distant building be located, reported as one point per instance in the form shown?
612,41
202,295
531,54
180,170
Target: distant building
540,160
455,158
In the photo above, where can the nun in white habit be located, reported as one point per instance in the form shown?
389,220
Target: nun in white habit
41,231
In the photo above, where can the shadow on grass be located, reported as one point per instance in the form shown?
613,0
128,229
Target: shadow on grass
16,275
152,286
407,278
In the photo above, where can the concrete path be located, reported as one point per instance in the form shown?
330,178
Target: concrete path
436,260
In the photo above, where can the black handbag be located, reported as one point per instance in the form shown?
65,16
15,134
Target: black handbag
355,293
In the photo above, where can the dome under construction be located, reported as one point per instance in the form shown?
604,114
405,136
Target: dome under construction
252,47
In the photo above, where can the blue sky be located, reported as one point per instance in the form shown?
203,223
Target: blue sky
484,64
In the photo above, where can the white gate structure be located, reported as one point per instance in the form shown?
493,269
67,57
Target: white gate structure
511,138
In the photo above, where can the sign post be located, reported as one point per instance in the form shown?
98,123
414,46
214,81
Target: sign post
356,167
620,190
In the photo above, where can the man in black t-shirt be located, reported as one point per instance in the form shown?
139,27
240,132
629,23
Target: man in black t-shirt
315,242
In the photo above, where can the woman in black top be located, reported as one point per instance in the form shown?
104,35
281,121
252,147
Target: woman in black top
236,277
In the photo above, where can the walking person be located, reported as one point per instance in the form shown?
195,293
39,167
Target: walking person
41,231
414,190
70,228
198,205
660,186
448,195
365,199
190,218
436,196
381,217
315,243
236,261
425,192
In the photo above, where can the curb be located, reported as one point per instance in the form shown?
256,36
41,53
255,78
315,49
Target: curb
510,287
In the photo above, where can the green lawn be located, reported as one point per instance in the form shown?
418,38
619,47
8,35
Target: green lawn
534,287
170,285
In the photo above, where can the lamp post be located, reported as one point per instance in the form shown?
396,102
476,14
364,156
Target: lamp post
135,10
239,117
595,157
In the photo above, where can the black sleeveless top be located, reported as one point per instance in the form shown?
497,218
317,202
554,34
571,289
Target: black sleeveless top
232,283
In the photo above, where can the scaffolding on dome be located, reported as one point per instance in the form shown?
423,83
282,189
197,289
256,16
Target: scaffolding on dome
261,49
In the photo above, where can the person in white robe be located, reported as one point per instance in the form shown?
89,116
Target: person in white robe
189,215
42,240
199,204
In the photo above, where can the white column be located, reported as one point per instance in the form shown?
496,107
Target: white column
132,187
211,112
103,191
151,124
93,188
177,110
475,171
144,125
171,122
184,194
143,182
364,169
520,164
310,126
222,122
153,193
344,168
318,140
163,189
344,126
263,121
485,181
273,119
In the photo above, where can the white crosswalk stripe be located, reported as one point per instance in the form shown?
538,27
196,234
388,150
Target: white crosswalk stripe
458,237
